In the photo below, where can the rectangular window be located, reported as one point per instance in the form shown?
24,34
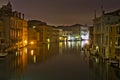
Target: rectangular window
110,29
0,34
106,40
118,41
118,29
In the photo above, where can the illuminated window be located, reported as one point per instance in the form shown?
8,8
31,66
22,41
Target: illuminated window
34,26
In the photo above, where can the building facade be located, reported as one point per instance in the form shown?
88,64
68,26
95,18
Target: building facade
15,27
2,37
75,32
115,41
101,31
43,33
91,36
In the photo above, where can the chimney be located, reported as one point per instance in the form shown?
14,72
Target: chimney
22,16
19,15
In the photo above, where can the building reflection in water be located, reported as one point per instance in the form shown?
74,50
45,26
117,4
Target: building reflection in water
42,52
100,71
60,47
83,43
15,66
48,46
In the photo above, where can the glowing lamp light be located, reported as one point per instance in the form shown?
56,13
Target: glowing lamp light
25,41
87,42
97,47
48,40
60,38
31,42
34,26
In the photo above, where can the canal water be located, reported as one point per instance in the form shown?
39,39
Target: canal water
55,61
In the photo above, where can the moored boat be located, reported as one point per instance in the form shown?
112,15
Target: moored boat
4,54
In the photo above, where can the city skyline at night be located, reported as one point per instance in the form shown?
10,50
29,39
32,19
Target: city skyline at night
65,12
59,40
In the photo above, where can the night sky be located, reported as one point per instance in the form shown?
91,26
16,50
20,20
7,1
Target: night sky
62,12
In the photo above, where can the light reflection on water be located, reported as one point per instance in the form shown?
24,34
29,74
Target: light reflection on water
56,61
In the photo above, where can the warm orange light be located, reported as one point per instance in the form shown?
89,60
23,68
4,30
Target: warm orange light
25,41
48,40
48,46
31,42
60,44
32,52
87,42
35,59
16,53
60,38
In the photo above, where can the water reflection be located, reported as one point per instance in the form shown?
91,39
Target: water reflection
100,71
56,61
42,52
13,66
